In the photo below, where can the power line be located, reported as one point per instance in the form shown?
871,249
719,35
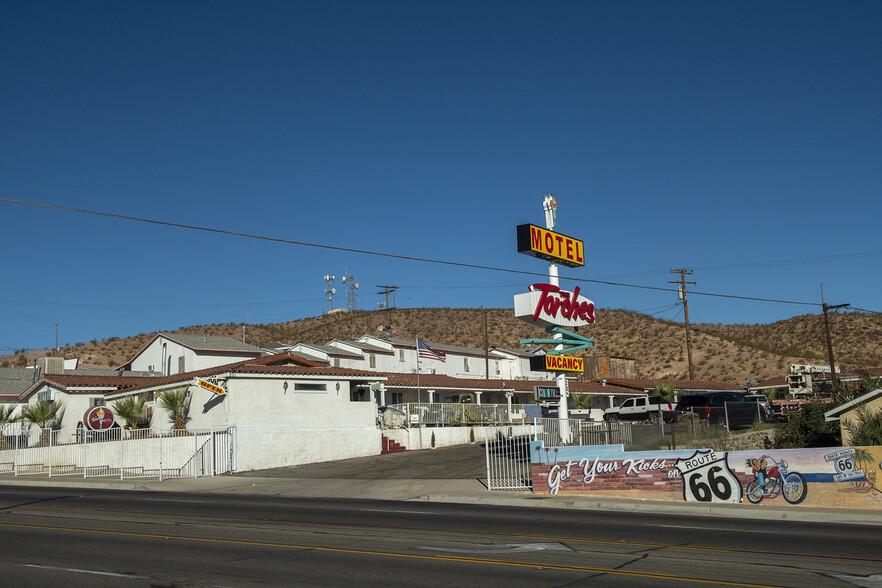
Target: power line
392,255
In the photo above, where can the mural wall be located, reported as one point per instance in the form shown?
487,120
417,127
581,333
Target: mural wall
842,477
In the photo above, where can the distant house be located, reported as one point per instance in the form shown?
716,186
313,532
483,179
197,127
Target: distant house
848,412
173,353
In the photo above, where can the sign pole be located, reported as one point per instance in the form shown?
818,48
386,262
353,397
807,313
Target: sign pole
550,206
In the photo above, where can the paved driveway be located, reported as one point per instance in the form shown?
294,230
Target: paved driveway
459,462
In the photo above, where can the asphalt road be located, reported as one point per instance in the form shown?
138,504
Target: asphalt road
70,537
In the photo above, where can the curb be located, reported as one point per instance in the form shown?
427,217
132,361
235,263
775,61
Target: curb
500,498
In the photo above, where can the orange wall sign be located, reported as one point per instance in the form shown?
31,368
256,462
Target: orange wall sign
550,246
210,387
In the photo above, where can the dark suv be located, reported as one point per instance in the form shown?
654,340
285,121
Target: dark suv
727,408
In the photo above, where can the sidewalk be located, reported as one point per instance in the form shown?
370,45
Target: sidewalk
449,474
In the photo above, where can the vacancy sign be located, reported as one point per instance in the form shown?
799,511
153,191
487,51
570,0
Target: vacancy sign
557,363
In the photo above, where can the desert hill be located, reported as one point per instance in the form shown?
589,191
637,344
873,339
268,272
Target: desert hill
729,353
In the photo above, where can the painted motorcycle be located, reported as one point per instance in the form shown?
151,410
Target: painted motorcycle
771,478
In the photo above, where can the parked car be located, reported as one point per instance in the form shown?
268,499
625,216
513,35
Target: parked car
765,407
725,408
640,408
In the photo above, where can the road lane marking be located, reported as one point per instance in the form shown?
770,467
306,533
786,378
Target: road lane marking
740,531
504,548
78,571
172,500
396,511
520,564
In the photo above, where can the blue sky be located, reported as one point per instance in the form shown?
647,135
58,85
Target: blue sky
740,139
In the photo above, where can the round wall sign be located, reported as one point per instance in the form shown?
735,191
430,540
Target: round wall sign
98,418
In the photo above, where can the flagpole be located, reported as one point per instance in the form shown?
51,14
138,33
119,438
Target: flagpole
419,405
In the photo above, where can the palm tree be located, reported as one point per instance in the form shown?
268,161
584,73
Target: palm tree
581,400
131,410
42,413
6,419
666,392
867,431
178,406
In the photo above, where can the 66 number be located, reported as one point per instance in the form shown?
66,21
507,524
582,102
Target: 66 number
715,486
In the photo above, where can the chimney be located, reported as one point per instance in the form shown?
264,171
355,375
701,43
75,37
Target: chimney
50,365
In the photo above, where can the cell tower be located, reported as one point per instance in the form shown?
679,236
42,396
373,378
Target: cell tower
329,293
351,287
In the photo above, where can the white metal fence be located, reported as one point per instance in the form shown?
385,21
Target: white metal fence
508,456
140,453
508,461
581,433
452,414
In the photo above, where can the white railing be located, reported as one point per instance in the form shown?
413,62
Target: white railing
140,453
448,414
508,461
581,433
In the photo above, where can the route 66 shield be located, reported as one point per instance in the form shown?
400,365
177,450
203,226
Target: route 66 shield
707,477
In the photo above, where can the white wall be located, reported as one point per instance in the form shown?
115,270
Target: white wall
445,436
279,427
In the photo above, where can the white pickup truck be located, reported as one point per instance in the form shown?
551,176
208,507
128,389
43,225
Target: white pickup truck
640,408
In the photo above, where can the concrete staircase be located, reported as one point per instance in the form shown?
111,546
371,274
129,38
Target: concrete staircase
390,446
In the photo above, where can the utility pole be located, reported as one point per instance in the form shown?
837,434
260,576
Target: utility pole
826,307
683,273
387,290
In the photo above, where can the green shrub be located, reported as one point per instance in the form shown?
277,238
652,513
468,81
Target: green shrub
807,428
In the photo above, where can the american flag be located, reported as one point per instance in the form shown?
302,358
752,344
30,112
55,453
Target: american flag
426,352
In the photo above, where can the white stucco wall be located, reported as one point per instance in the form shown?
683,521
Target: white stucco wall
280,427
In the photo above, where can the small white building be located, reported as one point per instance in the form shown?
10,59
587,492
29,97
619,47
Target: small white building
286,410
175,353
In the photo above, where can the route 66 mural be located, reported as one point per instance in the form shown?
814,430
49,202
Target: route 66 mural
707,477
840,477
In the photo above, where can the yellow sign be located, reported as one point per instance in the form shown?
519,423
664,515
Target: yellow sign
550,246
557,363
210,387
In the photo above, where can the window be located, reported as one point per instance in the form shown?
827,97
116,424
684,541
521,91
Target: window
336,362
97,402
373,360
465,364
397,397
303,387
496,363
401,355
181,364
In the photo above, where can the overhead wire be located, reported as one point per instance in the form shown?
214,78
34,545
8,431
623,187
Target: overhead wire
394,255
